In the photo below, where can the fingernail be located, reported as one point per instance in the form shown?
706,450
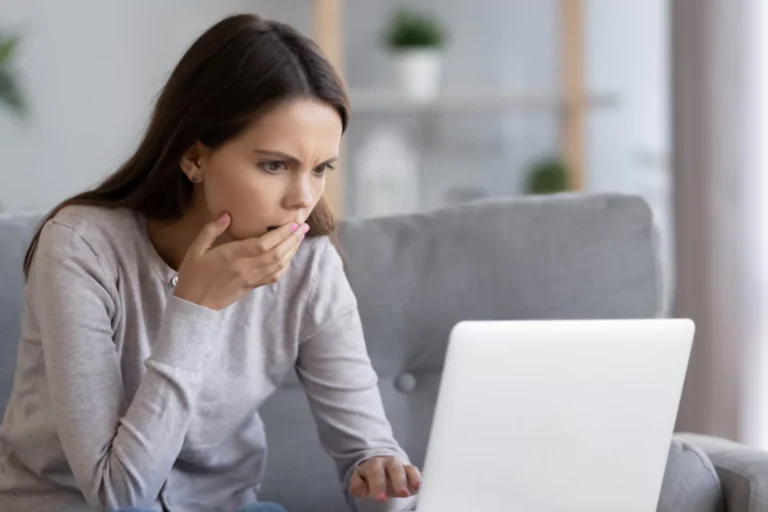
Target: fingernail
223,218
405,492
382,497
305,228
294,227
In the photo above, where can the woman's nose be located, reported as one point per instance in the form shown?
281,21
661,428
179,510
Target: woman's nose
301,195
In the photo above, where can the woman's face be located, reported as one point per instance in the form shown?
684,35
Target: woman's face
273,173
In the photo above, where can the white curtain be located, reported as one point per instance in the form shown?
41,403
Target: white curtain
718,59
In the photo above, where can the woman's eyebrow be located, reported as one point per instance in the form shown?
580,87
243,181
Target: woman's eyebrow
292,159
278,154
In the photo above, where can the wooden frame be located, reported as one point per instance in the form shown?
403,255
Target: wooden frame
328,30
572,137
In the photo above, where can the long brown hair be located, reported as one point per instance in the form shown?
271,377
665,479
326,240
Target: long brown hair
239,66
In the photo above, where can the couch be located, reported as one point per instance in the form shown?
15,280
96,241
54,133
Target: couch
557,257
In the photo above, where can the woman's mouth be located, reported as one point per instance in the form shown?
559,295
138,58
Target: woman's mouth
292,221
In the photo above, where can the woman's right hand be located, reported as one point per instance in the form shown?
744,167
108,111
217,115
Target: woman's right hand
218,277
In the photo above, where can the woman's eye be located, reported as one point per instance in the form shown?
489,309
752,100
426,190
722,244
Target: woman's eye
323,168
273,166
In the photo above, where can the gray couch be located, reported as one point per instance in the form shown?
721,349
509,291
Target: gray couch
416,276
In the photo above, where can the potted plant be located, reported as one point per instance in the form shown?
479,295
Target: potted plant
548,176
10,91
416,40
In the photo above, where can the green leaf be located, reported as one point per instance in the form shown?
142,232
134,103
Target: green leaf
413,29
10,93
548,176
7,48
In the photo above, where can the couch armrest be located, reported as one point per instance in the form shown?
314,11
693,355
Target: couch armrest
743,471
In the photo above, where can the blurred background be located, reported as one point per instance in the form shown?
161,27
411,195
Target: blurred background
455,101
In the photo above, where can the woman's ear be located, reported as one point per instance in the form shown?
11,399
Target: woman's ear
193,161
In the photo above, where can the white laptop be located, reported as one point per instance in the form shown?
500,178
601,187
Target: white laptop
555,416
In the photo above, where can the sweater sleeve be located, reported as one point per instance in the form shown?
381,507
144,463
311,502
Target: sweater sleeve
120,453
341,385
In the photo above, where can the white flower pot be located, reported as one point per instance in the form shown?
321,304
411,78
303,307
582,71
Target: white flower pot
419,73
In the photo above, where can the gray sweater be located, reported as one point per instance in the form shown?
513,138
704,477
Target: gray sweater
126,396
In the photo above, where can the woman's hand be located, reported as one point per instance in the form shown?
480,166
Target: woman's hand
216,278
380,478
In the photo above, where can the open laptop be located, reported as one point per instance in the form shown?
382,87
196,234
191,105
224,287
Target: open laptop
555,416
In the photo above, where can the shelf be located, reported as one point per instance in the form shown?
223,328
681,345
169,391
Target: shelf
373,102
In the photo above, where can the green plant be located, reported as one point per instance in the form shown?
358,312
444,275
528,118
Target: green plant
10,89
410,29
548,176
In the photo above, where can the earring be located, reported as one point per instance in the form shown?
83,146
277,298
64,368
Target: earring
194,178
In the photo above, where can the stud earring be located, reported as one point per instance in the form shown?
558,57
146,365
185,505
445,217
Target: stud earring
194,178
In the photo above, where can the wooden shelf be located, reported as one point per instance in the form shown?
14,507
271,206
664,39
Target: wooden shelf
384,102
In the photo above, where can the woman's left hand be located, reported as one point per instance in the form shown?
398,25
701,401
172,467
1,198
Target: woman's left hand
380,478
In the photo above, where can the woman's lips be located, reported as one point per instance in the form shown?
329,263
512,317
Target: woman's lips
270,228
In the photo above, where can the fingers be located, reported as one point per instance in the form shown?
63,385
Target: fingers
276,237
289,246
414,478
271,240
280,240
398,481
357,486
375,476
261,275
210,232
282,259
382,477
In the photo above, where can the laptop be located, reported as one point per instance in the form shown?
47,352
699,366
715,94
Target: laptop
555,416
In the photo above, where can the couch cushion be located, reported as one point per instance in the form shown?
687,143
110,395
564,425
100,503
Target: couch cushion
563,257
16,230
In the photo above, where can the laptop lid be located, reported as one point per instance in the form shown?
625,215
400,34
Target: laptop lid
543,416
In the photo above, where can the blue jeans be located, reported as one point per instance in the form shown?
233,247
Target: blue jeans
256,507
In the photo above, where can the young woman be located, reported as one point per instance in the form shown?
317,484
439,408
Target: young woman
164,306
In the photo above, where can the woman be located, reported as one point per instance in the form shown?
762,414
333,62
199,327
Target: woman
164,306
